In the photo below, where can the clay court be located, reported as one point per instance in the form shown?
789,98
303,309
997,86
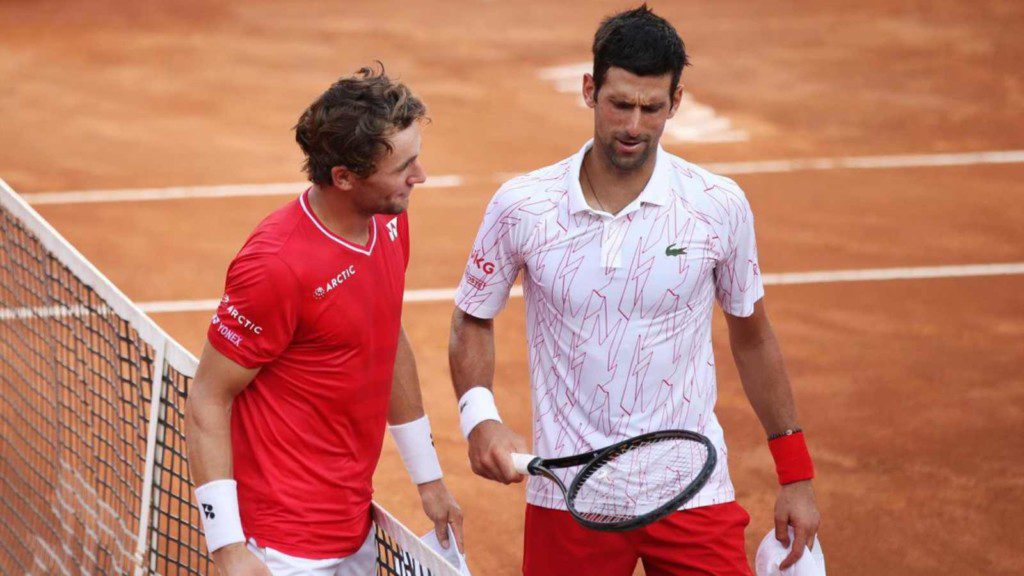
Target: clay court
910,383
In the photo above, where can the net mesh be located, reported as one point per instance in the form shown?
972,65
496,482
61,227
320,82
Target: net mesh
75,396
72,407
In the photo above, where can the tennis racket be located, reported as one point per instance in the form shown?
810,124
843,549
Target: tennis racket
632,483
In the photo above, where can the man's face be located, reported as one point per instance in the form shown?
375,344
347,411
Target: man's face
387,190
630,112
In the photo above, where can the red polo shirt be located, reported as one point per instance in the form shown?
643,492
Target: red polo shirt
320,316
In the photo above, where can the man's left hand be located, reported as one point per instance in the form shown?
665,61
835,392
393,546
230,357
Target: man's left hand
441,508
796,507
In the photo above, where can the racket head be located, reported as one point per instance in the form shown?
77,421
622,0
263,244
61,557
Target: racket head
641,480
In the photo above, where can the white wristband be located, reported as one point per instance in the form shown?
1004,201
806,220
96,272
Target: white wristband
475,406
218,507
416,446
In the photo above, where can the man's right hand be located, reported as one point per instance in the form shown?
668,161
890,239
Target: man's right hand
237,560
491,445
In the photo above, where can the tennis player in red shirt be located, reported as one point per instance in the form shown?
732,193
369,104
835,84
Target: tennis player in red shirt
306,360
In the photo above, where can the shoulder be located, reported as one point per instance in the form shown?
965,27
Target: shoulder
252,267
266,250
275,231
535,192
707,192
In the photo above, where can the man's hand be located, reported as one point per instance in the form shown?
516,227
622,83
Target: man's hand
796,507
441,508
237,560
491,445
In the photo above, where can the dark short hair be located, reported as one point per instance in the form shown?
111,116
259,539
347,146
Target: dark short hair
640,42
350,124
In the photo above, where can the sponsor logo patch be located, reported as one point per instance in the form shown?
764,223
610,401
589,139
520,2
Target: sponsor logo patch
229,335
481,264
475,282
392,227
322,291
243,320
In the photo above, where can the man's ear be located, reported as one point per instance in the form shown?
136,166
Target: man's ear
589,90
343,178
677,100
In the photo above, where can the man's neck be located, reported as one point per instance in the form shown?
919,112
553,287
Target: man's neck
613,188
336,211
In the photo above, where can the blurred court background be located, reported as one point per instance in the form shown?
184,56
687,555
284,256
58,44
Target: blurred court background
911,389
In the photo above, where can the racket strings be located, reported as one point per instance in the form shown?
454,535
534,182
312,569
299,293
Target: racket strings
639,480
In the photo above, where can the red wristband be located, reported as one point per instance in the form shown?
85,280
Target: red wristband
792,460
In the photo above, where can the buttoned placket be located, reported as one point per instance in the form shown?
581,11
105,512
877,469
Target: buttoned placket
611,244
614,229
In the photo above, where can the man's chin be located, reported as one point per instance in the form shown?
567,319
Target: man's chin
627,162
630,162
395,208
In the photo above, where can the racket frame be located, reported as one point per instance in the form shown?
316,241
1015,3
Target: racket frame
592,461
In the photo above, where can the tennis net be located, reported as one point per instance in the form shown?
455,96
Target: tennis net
93,472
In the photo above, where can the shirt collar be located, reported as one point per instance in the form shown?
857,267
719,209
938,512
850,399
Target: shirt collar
655,192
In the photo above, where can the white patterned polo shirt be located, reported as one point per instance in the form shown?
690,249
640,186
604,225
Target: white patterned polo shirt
618,306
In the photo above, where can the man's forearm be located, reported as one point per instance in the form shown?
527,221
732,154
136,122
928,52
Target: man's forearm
471,352
208,415
406,402
408,424
765,381
208,436
471,357
763,372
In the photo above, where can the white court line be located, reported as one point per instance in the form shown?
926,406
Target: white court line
174,193
454,181
823,277
867,162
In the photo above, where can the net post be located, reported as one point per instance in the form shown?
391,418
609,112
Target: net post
145,507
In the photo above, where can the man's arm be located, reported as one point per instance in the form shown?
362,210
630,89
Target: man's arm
208,435
406,402
406,408
763,373
471,357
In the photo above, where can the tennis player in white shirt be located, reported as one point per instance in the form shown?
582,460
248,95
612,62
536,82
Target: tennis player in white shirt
623,250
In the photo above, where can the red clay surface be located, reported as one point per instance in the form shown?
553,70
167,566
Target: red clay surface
911,391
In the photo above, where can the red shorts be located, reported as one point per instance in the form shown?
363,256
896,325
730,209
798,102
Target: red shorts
700,541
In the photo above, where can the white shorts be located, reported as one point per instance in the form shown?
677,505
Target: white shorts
361,563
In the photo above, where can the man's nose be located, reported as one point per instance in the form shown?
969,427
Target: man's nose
633,127
419,176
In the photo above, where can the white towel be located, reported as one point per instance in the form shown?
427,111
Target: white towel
771,553
452,554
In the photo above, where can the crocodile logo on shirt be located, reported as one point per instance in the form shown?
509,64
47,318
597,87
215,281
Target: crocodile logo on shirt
671,250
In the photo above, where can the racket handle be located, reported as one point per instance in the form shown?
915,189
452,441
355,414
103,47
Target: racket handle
522,462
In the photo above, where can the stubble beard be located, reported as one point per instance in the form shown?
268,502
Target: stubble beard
625,163
394,207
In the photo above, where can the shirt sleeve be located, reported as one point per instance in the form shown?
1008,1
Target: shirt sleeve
259,312
738,284
494,262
